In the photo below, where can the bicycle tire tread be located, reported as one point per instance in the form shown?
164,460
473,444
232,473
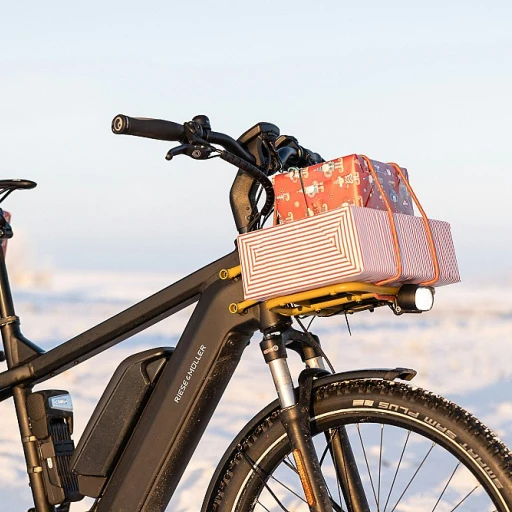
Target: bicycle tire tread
456,415
454,412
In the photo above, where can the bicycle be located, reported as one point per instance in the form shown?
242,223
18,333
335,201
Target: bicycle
304,451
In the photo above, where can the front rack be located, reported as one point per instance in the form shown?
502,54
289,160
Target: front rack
324,301
331,300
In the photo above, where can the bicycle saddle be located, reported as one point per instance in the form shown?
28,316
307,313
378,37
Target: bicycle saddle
8,186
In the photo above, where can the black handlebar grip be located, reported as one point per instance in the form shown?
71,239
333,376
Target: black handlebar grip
149,128
259,176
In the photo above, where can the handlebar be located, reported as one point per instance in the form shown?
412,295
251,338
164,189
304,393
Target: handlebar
268,151
146,127
194,137
168,130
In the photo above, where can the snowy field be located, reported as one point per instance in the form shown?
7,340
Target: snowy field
462,350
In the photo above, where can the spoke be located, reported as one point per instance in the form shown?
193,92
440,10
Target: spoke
262,506
349,498
326,450
287,462
409,479
259,472
287,488
290,465
380,465
465,498
336,507
367,464
338,483
414,476
332,433
397,469
446,487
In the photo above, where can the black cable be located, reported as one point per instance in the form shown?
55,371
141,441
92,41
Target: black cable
269,160
267,217
254,221
255,173
348,325
315,344
255,212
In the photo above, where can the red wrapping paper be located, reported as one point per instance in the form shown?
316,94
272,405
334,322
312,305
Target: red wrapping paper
344,181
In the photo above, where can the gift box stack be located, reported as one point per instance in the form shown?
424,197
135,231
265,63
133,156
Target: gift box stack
334,226
348,180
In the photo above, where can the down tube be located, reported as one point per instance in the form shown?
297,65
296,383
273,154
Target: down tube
184,399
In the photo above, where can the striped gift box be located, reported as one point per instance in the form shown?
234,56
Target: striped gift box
347,244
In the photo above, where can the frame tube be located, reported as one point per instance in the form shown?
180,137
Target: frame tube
135,319
180,408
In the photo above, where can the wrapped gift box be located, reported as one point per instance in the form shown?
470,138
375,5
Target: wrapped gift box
323,187
347,244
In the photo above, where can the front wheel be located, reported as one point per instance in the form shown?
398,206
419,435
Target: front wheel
415,451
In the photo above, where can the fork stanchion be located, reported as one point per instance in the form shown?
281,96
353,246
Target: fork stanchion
295,419
274,353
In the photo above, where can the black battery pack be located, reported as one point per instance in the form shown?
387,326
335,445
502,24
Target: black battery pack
115,417
51,418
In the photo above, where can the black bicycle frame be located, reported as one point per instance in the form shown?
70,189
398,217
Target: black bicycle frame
193,380
186,393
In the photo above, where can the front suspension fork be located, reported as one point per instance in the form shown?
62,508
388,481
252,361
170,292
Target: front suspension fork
296,423
346,470
295,417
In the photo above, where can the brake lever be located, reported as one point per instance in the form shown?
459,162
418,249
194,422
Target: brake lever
178,150
198,152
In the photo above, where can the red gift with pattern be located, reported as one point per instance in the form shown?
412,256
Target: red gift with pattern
347,180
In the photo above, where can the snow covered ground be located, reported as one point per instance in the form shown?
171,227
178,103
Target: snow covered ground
462,350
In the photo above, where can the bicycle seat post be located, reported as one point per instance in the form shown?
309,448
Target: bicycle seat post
7,314
17,350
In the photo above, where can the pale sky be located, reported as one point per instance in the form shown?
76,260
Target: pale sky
425,84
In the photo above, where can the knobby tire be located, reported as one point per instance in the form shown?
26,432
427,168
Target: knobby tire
415,451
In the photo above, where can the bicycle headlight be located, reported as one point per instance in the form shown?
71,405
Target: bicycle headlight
412,297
